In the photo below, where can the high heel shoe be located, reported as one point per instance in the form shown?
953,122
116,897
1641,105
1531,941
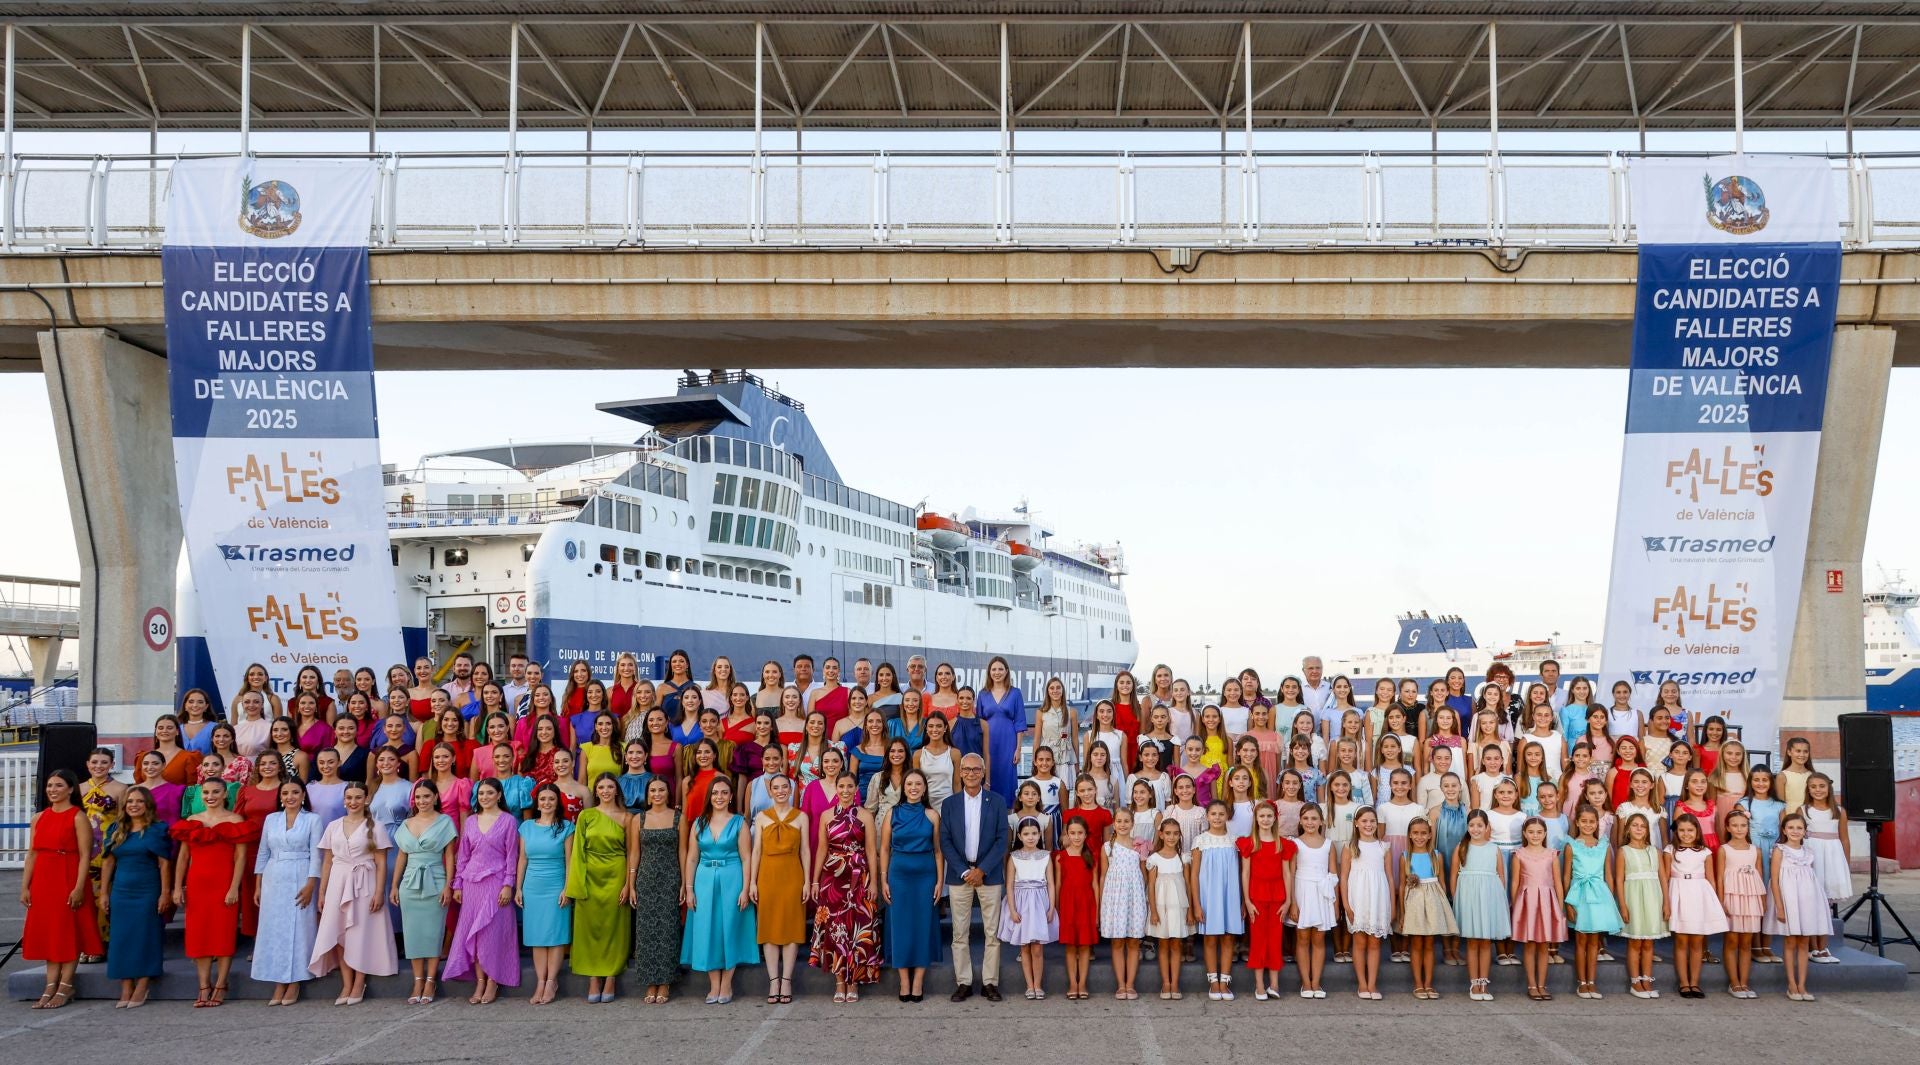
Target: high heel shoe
427,998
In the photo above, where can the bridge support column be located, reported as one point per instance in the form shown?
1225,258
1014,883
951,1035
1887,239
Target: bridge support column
1824,679
115,431
43,652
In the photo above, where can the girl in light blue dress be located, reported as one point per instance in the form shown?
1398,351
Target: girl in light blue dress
546,924
1218,899
720,931
1480,902
1596,915
288,867
1765,811
390,803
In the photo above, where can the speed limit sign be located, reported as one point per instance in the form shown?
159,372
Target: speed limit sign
157,628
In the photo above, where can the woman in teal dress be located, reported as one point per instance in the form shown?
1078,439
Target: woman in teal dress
596,883
910,876
719,934
546,924
138,861
422,875
653,871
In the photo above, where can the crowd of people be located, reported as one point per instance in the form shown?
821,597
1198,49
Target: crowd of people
644,828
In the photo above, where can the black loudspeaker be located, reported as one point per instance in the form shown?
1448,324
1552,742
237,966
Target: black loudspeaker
1866,766
63,745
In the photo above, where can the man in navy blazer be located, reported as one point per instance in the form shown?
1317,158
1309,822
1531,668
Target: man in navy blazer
973,841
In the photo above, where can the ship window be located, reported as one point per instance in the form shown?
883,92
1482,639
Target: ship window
740,574
608,553
796,585
673,563
455,557
766,533
653,560
759,578
623,517
866,593
749,493
726,573
708,569
786,581
743,530
721,528
630,556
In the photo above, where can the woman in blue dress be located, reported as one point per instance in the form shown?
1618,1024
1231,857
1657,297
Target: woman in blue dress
390,803
139,859
423,845
546,925
1003,710
911,872
719,934
288,868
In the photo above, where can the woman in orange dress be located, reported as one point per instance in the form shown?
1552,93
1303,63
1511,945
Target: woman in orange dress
207,873
57,892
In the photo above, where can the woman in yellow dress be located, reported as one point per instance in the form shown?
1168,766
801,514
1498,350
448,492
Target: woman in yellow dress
781,855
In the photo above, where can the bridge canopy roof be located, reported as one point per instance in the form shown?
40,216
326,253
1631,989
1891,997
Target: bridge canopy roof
688,64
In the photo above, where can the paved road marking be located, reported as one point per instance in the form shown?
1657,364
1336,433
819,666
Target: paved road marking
1546,1042
752,1046
61,1014
377,1034
1149,1043
1877,1019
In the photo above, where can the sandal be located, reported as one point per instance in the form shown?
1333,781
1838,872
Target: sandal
46,996
200,1002
219,995
61,998
428,989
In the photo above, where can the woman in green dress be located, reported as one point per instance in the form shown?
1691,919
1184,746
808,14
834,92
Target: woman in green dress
421,876
653,873
597,884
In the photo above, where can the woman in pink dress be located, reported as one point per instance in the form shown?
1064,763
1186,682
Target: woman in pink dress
354,934
486,942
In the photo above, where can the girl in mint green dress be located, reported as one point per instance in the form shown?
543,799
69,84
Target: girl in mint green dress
1592,913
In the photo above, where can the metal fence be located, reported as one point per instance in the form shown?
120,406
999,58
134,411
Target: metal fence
957,198
16,805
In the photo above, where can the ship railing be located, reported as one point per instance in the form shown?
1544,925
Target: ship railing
1039,198
409,514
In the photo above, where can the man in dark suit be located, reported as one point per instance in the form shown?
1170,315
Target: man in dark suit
973,841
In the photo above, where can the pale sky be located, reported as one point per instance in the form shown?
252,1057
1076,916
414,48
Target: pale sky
1270,513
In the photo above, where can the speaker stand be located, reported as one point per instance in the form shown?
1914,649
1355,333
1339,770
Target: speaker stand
1876,902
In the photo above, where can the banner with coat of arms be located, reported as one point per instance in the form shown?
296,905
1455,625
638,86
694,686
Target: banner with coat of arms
1733,328
275,440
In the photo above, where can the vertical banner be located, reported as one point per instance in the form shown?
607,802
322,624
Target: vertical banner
1733,328
275,443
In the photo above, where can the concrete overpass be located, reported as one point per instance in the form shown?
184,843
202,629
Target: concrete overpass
1243,257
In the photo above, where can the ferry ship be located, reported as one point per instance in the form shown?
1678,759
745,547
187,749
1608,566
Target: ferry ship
1430,645
726,529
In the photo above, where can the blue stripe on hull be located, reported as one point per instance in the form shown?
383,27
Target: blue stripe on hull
554,642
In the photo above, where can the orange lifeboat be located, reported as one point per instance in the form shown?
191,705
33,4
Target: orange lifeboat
1025,556
946,532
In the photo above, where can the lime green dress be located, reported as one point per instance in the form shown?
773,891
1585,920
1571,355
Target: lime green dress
602,928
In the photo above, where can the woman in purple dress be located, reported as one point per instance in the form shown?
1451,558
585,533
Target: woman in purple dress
1004,711
486,941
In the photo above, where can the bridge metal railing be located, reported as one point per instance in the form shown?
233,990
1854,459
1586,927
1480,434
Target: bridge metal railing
948,198
39,607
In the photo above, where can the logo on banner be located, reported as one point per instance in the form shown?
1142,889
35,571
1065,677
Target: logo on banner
270,209
1701,473
1712,611
284,621
284,481
1735,204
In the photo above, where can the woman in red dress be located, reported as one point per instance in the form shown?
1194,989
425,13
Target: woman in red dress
58,894
259,797
207,874
1076,865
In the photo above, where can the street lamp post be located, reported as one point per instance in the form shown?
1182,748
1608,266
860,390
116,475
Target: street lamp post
1206,679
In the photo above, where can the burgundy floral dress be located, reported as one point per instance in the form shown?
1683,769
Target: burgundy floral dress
846,935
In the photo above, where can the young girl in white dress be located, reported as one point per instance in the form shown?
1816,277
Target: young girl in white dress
1368,899
1170,888
1314,903
1827,839
1123,901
